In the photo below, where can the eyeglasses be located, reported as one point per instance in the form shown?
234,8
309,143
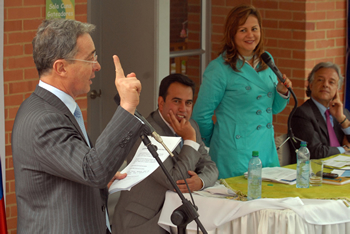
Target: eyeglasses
87,61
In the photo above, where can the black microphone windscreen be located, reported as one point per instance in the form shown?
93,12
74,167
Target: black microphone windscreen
266,58
117,99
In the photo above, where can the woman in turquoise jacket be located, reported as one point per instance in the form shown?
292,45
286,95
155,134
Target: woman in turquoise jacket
244,93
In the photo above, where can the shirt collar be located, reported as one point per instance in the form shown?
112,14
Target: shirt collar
320,107
166,122
64,97
255,63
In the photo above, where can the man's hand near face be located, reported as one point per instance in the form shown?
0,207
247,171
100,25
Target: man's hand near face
183,128
336,109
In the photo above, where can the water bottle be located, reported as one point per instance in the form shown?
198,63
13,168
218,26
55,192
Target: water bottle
254,177
303,166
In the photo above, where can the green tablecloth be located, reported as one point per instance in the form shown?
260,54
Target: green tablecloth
278,190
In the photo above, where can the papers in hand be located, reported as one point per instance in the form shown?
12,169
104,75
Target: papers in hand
338,161
143,164
278,174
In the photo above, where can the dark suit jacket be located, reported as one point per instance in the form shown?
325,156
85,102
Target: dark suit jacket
309,125
61,181
138,210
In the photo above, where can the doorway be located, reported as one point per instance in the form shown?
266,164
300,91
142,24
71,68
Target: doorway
139,32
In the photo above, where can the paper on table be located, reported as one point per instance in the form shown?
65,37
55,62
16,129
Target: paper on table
339,161
278,174
217,190
143,164
342,173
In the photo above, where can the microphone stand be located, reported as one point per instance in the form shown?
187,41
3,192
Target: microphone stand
185,213
290,134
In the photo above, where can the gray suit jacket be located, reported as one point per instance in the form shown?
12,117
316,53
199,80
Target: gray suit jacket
61,181
309,125
138,210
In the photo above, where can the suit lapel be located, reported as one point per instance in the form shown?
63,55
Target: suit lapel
54,101
261,79
319,118
337,131
162,128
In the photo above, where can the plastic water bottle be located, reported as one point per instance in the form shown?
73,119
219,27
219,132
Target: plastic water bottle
303,166
254,177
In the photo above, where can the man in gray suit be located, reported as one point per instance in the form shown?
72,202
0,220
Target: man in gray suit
309,121
138,210
61,178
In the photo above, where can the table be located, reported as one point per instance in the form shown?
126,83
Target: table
283,209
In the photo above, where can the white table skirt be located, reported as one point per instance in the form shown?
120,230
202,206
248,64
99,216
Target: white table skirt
274,221
263,216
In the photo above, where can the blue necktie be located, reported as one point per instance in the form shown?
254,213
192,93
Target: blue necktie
79,117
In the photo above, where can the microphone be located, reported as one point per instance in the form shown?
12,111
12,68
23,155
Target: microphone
153,132
267,59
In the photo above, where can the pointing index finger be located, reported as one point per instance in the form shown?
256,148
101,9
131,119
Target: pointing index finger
119,72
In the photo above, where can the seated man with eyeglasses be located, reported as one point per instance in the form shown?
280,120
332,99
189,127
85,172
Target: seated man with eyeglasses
322,121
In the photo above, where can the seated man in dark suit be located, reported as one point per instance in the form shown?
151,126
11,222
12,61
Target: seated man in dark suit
138,210
309,122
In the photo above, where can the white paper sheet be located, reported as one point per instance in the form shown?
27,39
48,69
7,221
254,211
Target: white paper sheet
143,164
278,174
338,162
342,173
217,190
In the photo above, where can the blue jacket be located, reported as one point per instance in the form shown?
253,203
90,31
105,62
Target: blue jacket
243,103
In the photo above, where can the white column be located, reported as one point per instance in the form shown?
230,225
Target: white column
2,106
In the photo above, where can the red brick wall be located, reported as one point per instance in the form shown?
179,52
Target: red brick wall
298,33
21,19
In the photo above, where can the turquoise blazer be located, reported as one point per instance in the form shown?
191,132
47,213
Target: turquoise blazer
243,103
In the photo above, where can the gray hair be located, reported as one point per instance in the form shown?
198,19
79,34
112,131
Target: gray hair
320,65
57,39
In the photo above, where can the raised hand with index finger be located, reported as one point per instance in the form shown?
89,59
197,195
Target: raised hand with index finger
129,88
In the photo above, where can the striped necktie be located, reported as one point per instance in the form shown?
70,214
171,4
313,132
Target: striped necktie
79,117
